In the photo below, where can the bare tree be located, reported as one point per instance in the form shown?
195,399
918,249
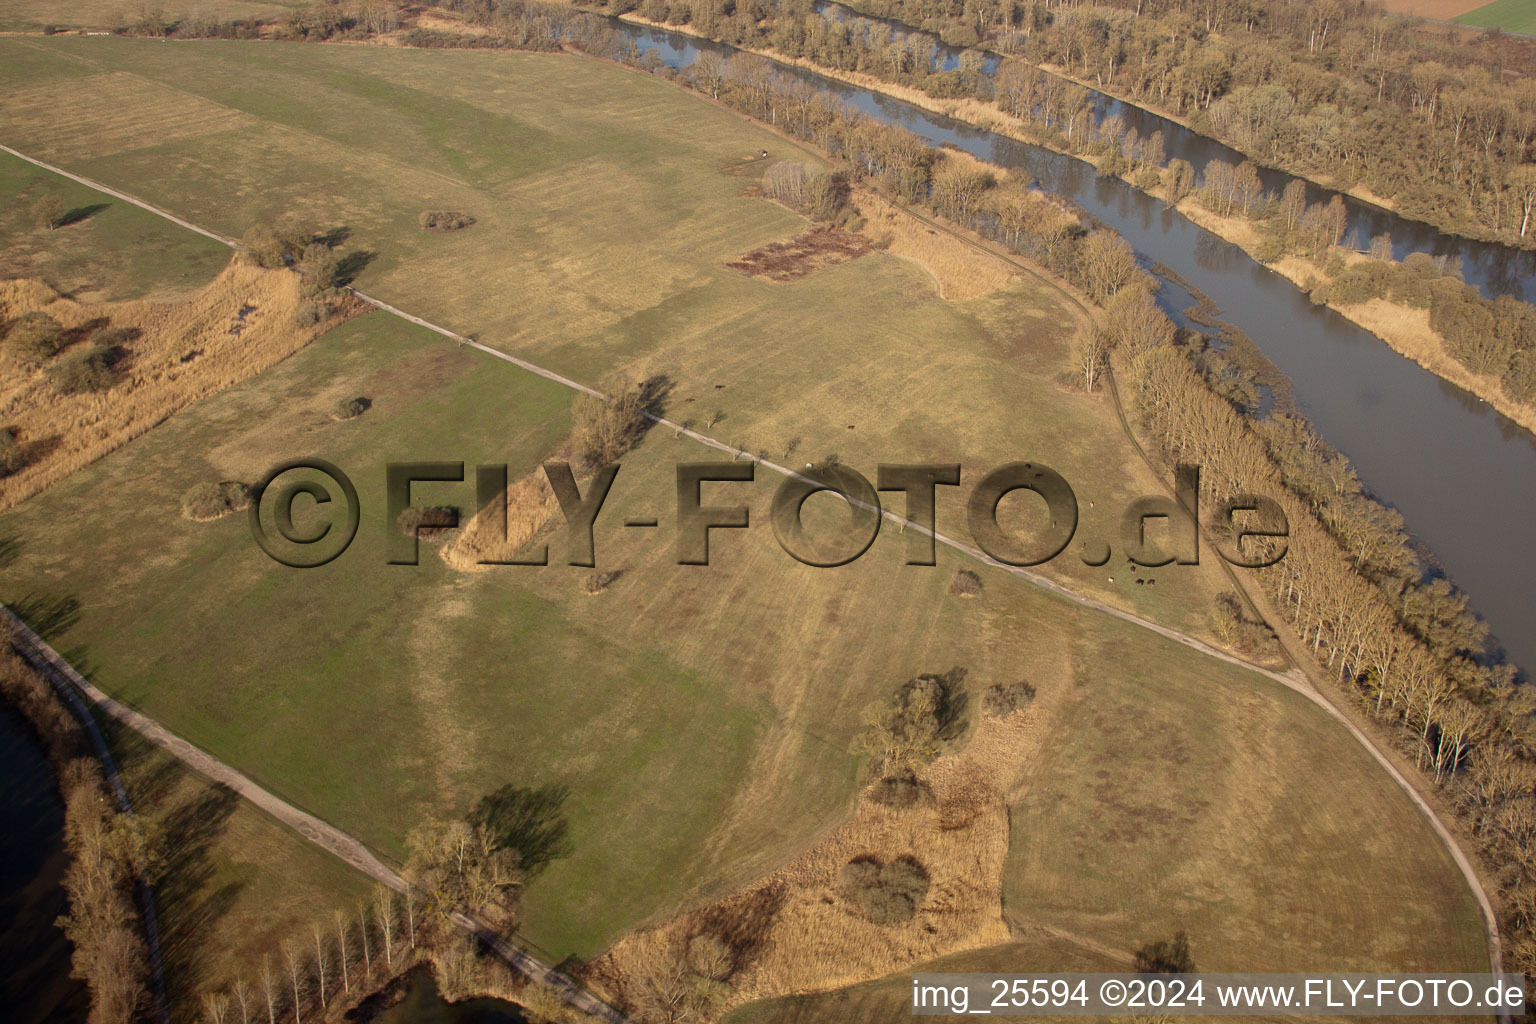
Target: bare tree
362,926
1091,347
269,988
241,990
320,961
215,1007
384,912
293,960
341,942
48,211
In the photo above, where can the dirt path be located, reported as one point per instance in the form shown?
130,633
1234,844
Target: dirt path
1294,678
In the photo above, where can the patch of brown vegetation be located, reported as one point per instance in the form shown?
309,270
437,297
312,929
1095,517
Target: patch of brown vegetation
796,931
960,271
530,503
240,324
806,253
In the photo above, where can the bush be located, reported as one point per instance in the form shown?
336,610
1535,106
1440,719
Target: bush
1232,625
884,894
350,408
607,425
90,370
34,338
1003,699
897,791
443,220
966,583
308,314
1520,377
431,523
597,582
1165,956
206,502
11,456
908,730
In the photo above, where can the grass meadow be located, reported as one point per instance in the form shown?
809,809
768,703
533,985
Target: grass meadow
693,723
109,250
34,15
1509,15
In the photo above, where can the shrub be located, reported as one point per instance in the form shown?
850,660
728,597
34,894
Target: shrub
443,220
206,502
1165,956
34,338
308,314
966,583
430,523
907,731
350,408
607,425
1003,699
884,894
11,455
1520,377
88,370
897,791
1233,626
112,337
597,582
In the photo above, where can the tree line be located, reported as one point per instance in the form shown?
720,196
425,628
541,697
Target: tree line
1402,645
454,866
108,853
1496,337
1314,86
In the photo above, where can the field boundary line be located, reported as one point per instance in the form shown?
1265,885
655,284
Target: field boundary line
1289,679
75,689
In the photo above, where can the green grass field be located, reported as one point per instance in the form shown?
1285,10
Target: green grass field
109,250
34,15
696,719
1509,15
232,883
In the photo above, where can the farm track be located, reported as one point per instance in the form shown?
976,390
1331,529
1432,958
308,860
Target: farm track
1296,678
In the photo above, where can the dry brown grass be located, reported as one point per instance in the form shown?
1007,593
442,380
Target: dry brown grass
794,932
820,247
530,504
184,350
959,270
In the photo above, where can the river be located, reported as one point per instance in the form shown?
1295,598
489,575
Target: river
1462,475
35,985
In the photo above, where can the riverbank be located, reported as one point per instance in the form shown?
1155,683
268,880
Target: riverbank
1403,328
103,851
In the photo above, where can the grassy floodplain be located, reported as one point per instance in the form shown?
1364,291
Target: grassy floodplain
697,720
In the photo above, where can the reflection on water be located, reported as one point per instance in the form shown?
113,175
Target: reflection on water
1463,477
423,1004
35,985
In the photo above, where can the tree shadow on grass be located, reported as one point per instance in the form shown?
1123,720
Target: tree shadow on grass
352,264
10,549
334,237
183,883
81,213
528,821
48,616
